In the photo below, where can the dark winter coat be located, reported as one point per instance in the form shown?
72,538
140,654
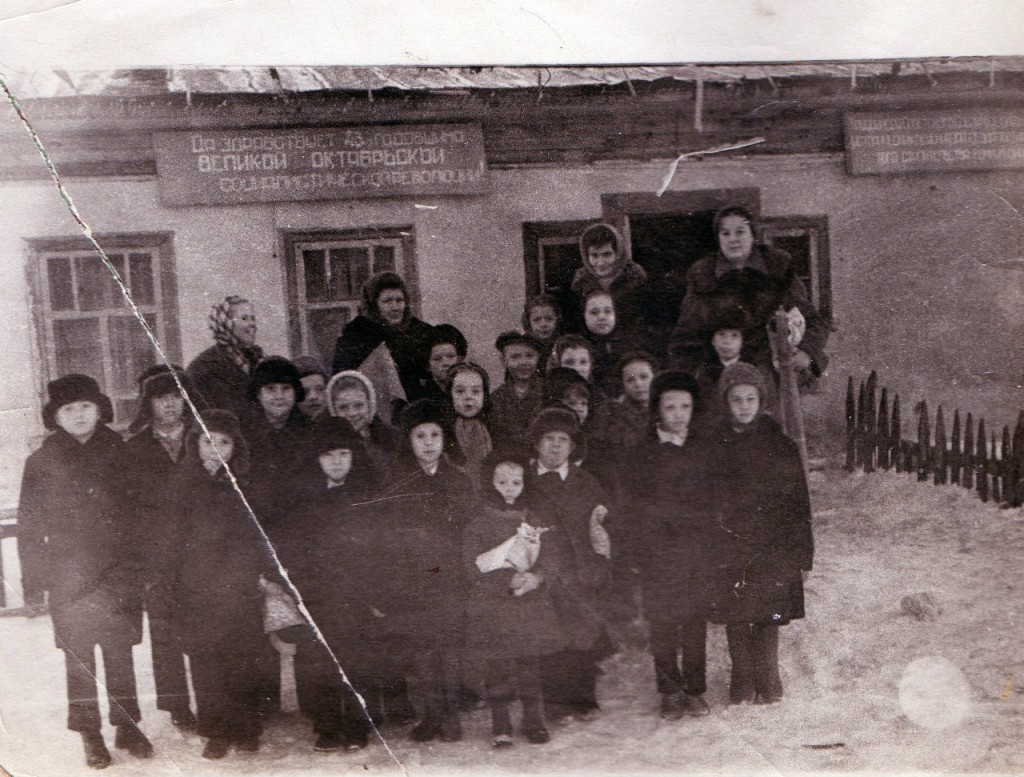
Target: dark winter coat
408,344
384,444
499,625
608,350
582,575
627,291
212,576
276,456
714,411
710,292
673,493
510,416
766,538
220,382
78,540
444,500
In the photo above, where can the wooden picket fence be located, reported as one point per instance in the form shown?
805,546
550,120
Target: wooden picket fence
971,457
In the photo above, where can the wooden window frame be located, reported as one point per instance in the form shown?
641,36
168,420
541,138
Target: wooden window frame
535,233
821,265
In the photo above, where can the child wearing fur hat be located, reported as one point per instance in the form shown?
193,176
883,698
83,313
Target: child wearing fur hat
574,503
351,396
77,541
448,347
672,488
157,450
213,577
765,542
542,320
519,397
577,353
511,620
608,267
469,395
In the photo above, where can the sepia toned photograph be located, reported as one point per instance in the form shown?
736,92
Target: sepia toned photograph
560,415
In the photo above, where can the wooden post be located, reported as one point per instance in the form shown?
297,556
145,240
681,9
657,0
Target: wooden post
860,424
883,430
981,461
968,462
954,450
896,433
939,457
1006,480
923,443
869,427
1018,462
993,466
851,426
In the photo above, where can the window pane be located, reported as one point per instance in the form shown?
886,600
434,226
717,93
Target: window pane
384,259
316,275
140,268
357,264
78,347
324,327
130,352
62,293
97,289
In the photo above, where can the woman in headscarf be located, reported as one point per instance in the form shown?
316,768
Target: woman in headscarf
386,343
221,373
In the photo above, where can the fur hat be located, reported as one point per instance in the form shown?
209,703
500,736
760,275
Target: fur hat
557,418
672,380
155,382
559,380
224,422
354,377
425,411
741,374
448,334
506,339
503,454
309,365
331,433
75,388
275,369
729,318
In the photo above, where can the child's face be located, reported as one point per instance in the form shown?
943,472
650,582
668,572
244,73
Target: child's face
579,403
599,314
603,260
352,405
577,359
508,481
79,419
727,343
554,449
336,464
208,449
735,238
442,356
543,321
316,399
520,360
167,409
243,323
391,304
468,394
636,380
427,443
277,400
744,402
675,409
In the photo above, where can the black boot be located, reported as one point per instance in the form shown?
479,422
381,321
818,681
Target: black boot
429,728
96,754
183,719
216,748
130,738
501,723
533,723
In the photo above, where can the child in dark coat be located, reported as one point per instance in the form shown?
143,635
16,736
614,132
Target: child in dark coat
542,320
214,582
470,396
511,620
350,395
448,347
766,542
77,540
673,493
574,503
519,397
609,340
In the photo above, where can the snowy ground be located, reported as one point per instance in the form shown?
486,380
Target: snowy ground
879,537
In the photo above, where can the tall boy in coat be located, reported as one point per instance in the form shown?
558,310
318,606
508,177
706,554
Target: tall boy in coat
77,541
520,396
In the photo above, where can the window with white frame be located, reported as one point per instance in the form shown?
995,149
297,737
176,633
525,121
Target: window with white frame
83,321
326,272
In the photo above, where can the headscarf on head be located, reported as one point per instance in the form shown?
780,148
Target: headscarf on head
223,327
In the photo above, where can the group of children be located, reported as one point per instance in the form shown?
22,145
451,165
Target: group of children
490,545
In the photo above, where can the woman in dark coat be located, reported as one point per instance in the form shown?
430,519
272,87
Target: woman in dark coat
386,319
213,580
765,542
78,541
754,278
673,494
220,374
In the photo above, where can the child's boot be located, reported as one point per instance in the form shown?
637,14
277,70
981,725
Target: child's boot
429,728
533,723
130,738
96,754
501,723
216,748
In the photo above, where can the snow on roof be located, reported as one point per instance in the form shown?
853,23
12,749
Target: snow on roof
48,83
